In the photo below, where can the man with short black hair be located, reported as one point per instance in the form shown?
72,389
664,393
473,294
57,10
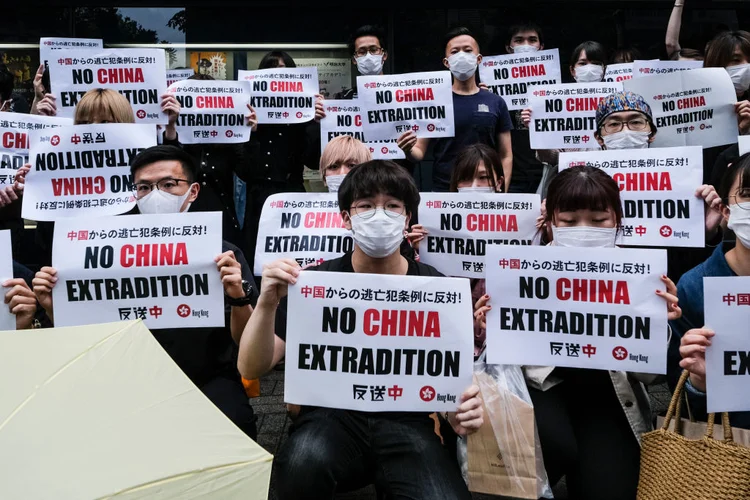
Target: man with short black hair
367,50
331,450
480,117
165,182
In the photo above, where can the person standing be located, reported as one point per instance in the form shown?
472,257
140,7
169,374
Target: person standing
480,116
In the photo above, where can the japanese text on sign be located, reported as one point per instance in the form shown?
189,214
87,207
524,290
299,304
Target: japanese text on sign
643,69
560,308
14,140
618,72
386,343
177,75
158,268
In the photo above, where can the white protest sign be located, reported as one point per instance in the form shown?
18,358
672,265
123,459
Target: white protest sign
564,116
373,342
344,117
394,104
7,319
690,108
461,226
306,227
213,111
726,304
14,140
178,75
657,188
744,144
48,45
334,74
561,306
643,69
618,72
138,74
159,268
509,76
83,170
283,95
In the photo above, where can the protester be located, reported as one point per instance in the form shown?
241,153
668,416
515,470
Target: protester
479,115
588,62
367,49
690,337
340,155
165,181
628,55
217,165
281,153
398,451
590,421
672,41
527,169
730,50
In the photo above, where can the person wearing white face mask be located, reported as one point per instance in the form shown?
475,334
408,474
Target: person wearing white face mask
339,157
377,200
164,183
589,421
691,338
480,117
587,63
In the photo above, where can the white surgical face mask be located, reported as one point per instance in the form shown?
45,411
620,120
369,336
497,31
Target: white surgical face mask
740,77
334,182
627,139
159,202
380,235
584,236
463,65
739,222
523,49
370,64
589,73
478,189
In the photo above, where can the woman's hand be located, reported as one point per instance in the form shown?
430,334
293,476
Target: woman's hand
44,281
415,235
469,416
320,110
693,351
713,208
742,109
252,119
407,141
21,302
673,310
481,308
47,106
526,117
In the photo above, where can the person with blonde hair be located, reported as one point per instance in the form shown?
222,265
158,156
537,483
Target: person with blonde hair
339,156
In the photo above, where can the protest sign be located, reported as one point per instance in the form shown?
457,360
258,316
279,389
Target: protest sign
657,188
690,108
14,140
564,116
334,74
158,268
643,69
461,226
394,104
213,111
344,117
7,319
306,227
138,74
48,45
510,76
726,303
385,343
83,170
618,72
744,144
559,306
282,95
177,75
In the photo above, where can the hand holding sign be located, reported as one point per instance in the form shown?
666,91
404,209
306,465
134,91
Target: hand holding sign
470,415
276,278
230,272
252,118
44,281
39,89
47,106
742,109
21,302
693,352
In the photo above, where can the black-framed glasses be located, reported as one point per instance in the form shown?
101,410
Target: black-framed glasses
374,50
168,185
635,125
366,210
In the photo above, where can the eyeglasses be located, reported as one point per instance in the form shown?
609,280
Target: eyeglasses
366,210
374,50
741,198
635,125
168,185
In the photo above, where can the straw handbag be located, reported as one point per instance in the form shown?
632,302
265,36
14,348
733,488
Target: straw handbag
674,467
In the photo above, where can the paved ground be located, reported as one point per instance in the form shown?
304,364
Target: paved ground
273,426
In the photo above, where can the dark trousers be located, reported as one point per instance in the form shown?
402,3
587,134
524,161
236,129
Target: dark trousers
331,451
586,437
229,396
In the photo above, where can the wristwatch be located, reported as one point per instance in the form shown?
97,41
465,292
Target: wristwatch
247,287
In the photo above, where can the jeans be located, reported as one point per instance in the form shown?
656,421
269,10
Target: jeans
331,451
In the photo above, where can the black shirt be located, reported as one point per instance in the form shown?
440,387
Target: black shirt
527,169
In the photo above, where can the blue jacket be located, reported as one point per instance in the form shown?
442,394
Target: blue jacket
690,293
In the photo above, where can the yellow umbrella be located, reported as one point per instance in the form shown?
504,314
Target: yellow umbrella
101,411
